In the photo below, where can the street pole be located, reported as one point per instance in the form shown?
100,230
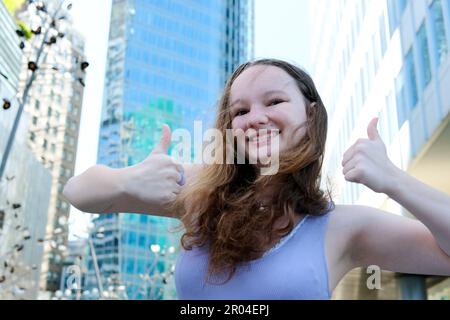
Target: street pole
97,271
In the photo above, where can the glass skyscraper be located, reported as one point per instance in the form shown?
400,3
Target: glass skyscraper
167,63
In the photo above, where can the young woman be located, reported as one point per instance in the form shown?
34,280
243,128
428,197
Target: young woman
254,236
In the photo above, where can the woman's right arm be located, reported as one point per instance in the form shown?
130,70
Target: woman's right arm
95,189
147,187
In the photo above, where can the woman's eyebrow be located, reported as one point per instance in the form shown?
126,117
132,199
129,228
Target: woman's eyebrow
267,93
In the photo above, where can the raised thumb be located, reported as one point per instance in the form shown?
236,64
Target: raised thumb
372,131
164,143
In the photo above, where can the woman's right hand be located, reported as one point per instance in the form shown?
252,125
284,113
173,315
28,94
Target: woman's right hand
157,180
148,187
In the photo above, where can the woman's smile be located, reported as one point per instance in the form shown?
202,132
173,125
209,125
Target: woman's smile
264,138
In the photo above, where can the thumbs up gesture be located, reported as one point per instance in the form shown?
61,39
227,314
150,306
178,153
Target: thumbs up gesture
366,162
163,146
158,179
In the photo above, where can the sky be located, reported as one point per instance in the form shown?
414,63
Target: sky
91,19
281,31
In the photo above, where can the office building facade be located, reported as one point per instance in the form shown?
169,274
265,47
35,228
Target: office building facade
25,186
54,110
388,59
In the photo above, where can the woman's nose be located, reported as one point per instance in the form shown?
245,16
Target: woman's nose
257,117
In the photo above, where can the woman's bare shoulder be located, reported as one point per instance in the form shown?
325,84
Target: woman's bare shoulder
345,220
345,215
341,215
349,212
343,225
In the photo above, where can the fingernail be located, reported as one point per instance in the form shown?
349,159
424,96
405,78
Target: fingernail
182,181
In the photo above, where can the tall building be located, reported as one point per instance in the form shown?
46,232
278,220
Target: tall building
54,110
388,59
167,63
23,200
239,33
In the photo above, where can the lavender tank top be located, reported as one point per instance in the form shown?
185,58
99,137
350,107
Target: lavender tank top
295,268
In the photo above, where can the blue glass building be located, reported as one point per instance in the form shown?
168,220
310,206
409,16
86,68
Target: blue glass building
167,63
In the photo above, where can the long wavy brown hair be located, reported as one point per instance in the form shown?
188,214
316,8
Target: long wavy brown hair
219,207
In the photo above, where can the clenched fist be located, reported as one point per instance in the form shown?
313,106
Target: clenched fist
366,162
158,179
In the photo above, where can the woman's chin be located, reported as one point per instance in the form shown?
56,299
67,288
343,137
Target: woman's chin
262,158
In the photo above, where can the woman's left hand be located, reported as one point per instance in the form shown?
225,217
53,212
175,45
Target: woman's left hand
366,162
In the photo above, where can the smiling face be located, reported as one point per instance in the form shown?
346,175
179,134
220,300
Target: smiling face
265,102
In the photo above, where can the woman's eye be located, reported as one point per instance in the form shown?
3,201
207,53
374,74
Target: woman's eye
275,101
272,102
240,113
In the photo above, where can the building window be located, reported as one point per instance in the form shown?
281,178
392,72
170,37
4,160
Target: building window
143,218
400,98
424,56
439,30
395,11
2,218
382,33
402,5
53,148
410,78
141,266
37,104
32,136
34,120
376,53
49,112
132,238
44,144
142,241
362,86
130,266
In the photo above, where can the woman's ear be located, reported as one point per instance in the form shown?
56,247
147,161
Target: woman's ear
313,104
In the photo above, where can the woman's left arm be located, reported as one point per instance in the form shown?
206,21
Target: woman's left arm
366,162
430,206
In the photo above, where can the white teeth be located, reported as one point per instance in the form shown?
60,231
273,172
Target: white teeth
264,137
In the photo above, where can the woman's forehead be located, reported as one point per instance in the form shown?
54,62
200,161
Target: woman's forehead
261,74
261,78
